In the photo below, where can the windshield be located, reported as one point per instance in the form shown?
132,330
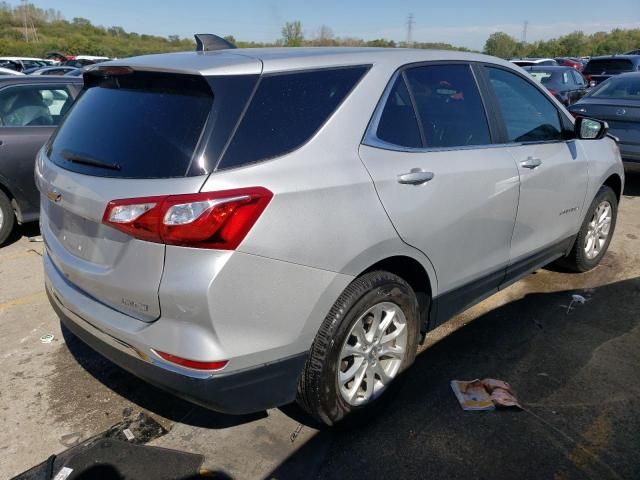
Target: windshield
541,76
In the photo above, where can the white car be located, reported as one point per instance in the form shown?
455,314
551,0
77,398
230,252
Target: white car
534,62
9,71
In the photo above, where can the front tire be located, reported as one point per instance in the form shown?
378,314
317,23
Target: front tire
595,233
364,344
7,218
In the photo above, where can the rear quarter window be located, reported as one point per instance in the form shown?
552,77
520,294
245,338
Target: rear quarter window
608,66
286,110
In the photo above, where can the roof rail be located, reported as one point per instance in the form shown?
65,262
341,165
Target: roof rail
206,42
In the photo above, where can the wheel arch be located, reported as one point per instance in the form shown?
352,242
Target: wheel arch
614,182
416,275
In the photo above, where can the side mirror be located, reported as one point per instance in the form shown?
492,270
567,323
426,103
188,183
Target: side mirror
590,128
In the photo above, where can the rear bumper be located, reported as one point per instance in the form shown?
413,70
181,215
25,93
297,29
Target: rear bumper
241,387
243,392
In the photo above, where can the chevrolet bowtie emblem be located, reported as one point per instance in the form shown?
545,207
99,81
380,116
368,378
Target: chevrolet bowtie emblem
54,196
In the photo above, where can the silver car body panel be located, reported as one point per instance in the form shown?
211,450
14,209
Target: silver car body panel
109,265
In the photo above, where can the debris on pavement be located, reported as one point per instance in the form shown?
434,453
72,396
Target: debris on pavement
37,238
484,394
63,474
296,432
138,430
46,338
575,299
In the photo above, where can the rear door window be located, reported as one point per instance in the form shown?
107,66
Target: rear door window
529,116
449,106
287,109
398,124
138,125
33,105
577,78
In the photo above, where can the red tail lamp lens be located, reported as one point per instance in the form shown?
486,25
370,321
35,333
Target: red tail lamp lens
218,220
196,365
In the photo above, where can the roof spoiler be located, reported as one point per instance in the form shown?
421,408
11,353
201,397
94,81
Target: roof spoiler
206,42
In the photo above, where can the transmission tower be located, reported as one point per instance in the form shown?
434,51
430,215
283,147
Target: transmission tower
525,26
410,23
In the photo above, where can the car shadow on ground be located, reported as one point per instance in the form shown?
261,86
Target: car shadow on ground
29,230
576,372
632,184
145,395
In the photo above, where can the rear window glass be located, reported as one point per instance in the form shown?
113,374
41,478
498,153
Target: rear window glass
139,125
610,66
540,76
624,88
286,111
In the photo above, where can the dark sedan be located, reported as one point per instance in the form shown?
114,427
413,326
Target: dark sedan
617,101
30,109
564,83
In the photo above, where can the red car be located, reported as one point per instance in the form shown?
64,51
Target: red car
570,62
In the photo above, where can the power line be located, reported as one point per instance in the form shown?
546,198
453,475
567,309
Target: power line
410,23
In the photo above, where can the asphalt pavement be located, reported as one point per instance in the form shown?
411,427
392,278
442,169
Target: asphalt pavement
575,370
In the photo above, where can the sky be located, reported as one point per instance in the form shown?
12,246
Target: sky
465,23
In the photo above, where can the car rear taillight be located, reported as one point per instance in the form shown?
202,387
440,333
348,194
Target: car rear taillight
218,220
195,364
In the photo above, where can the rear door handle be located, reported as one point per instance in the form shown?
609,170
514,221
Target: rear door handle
416,176
531,163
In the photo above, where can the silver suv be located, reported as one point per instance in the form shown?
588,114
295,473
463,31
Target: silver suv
248,227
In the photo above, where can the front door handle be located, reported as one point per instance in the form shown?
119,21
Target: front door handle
415,176
531,163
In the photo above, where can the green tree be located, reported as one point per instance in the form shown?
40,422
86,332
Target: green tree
500,44
292,35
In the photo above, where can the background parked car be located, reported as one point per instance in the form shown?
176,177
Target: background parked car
617,101
571,62
58,70
9,71
22,63
600,68
30,109
530,62
633,52
564,83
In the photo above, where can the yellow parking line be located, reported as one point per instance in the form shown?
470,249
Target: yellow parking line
26,300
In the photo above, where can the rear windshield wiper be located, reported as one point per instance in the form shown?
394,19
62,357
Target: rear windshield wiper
87,160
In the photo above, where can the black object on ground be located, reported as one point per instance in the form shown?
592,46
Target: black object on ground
120,454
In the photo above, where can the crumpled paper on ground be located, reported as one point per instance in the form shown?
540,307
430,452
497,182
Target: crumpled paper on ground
486,394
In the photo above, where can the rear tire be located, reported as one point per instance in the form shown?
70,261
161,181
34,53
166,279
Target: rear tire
364,344
7,218
595,233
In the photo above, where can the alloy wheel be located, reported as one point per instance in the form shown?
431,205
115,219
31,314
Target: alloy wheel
598,230
372,353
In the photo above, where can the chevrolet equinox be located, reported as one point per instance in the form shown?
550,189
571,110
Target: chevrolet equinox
249,227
